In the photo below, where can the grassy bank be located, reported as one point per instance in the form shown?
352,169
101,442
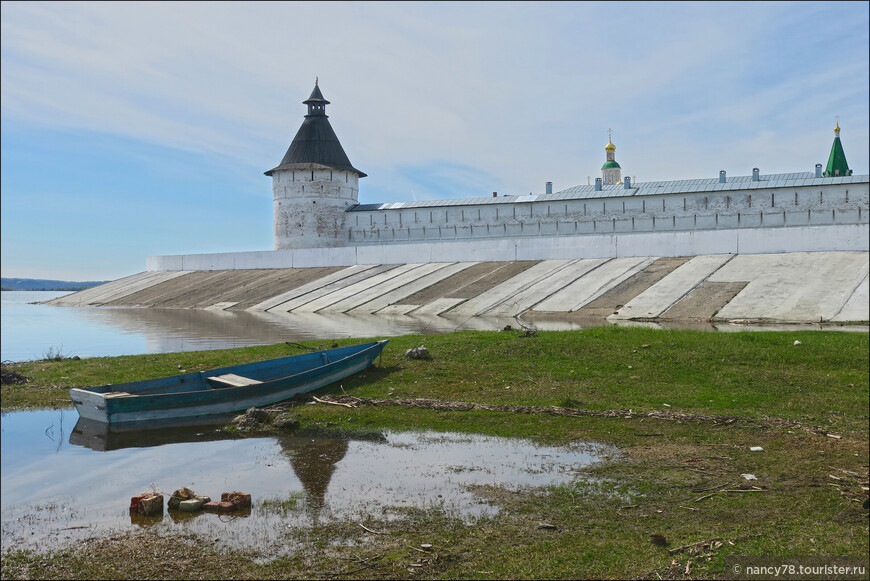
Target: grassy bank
677,472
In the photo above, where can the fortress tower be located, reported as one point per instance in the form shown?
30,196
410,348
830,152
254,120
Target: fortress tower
611,173
314,184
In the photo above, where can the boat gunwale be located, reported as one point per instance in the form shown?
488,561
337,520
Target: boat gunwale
204,375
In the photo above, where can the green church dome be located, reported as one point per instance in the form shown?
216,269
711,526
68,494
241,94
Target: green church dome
610,164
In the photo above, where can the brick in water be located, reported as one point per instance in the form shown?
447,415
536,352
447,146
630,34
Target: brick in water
190,505
212,506
240,499
151,504
226,506
134,503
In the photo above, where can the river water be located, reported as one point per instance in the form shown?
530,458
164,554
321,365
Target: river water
32,331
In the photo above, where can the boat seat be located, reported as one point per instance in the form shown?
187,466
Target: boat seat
231,380
115,394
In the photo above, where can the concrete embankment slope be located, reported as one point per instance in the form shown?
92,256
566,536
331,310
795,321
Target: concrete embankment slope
798,287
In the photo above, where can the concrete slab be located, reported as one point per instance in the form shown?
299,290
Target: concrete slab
546,287
703,301
221,306
286,295
80,298
272,283
84,297
370,279
857,307
468,283
397,309
606,276
659,297
389,285
505,291
322,287
436,307
417,284
108,292
796,287
236,285
621,294
140,286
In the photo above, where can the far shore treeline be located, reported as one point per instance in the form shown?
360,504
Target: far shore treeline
37,284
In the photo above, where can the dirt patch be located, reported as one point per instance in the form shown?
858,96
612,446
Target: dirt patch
458,406
8,376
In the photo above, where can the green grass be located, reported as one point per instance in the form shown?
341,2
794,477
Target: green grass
667,476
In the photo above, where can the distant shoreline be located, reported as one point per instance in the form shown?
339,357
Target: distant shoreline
36,284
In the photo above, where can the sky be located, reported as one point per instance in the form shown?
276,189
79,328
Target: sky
136,129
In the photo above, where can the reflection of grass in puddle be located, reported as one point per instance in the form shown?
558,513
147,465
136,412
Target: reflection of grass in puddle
280,505
458,469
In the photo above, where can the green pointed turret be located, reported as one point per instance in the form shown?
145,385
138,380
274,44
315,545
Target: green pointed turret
837,165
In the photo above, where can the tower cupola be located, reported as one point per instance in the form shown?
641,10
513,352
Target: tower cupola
611,172
316,103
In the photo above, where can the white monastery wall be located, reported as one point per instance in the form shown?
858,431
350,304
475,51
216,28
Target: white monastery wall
830,237
696,211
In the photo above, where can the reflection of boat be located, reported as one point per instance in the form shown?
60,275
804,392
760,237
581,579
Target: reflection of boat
223,390
102,437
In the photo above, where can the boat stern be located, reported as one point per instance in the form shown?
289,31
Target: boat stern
90,405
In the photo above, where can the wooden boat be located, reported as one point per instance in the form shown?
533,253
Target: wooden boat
224,390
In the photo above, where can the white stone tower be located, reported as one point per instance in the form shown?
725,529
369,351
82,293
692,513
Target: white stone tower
314,184
611,173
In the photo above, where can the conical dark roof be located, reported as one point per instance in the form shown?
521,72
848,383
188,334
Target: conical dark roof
316,96
316,142
837,165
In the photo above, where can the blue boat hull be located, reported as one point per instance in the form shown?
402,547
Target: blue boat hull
205,393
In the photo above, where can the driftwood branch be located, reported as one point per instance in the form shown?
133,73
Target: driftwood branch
676,550
347,405
369,530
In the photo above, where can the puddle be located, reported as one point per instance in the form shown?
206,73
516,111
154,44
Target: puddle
65,479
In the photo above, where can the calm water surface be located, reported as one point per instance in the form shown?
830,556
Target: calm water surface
65,480
31,331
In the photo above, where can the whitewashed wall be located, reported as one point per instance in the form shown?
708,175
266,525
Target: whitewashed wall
310,207
843,237
756,208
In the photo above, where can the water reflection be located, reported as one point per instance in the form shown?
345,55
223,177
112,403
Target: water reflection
103,437
31,330
53,495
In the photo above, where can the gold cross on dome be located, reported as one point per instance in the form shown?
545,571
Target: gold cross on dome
609,137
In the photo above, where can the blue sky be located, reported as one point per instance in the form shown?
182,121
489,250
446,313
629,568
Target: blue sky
136,129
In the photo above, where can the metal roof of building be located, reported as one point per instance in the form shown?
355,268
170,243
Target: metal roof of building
736,183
